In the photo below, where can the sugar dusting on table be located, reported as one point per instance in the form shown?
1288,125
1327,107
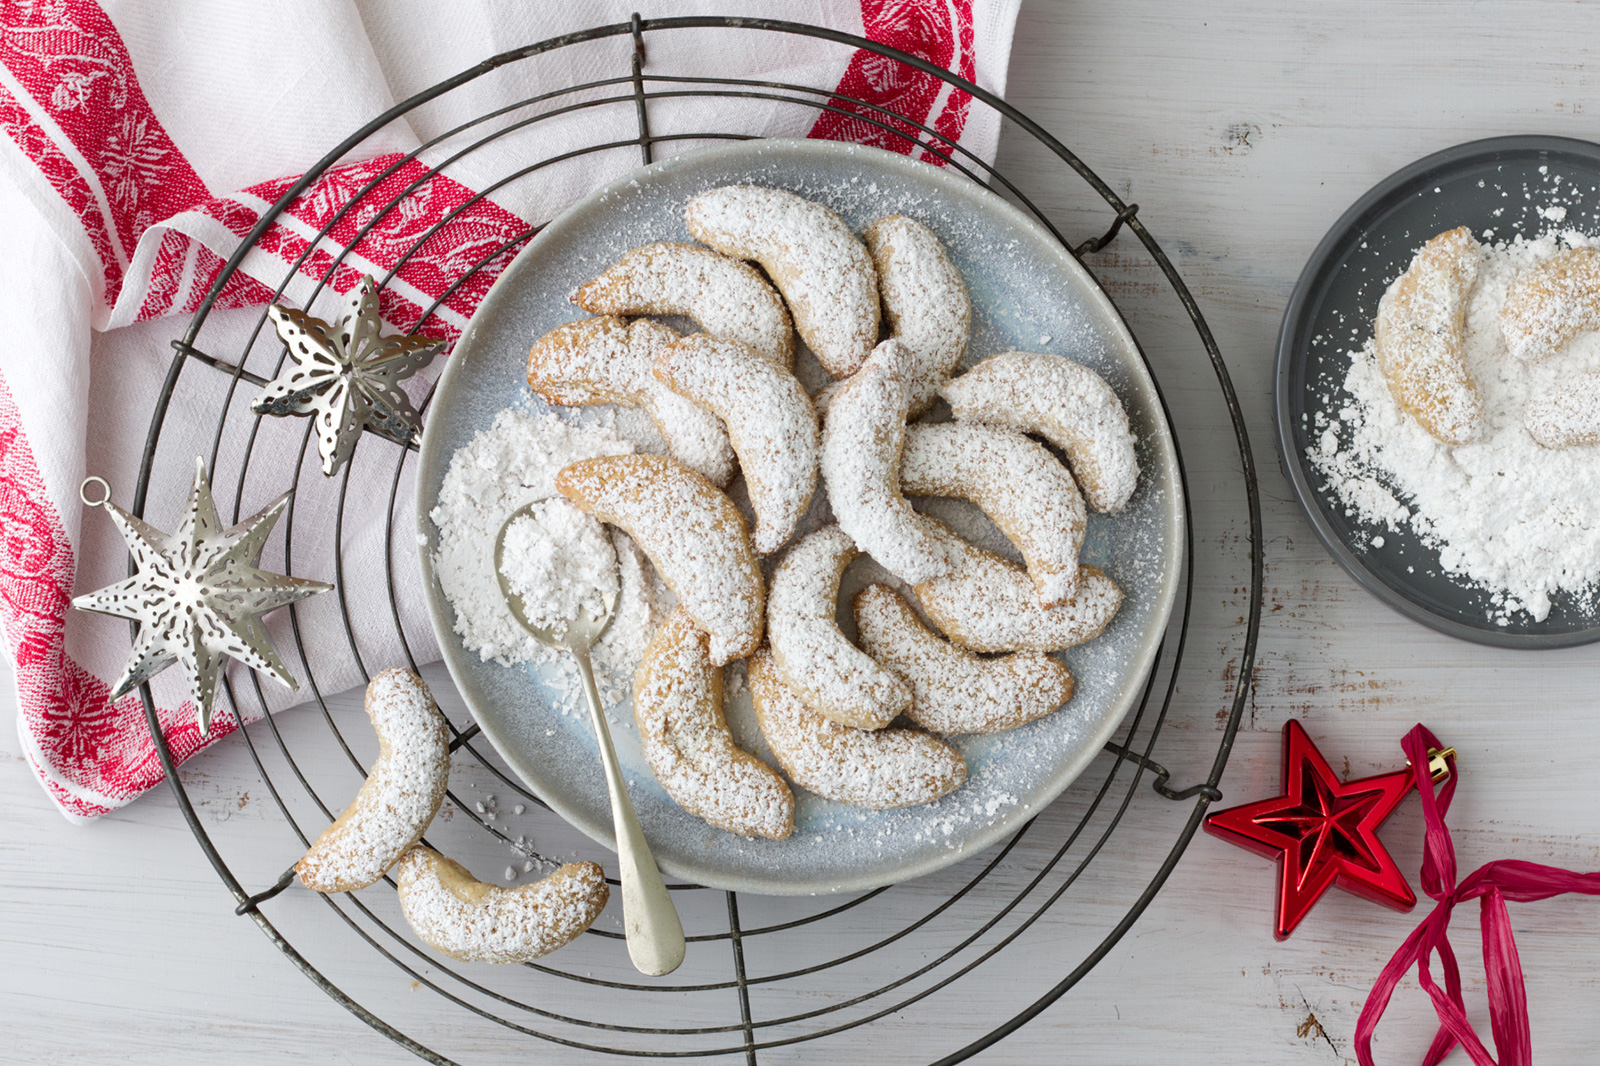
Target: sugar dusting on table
1504,513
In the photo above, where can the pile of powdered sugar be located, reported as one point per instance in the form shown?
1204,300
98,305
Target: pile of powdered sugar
560,562
1505,514
515,462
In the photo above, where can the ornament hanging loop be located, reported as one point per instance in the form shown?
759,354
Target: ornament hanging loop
104,495
1438,763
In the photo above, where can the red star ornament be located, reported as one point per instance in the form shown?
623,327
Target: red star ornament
1322,831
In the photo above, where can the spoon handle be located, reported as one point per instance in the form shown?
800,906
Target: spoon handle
655,935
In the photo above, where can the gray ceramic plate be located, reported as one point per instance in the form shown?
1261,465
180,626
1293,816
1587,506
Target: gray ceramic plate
1027,293
1499,185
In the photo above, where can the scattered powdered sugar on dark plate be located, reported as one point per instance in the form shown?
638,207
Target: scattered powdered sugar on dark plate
1504,513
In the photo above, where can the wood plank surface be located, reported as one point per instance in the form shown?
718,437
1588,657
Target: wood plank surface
1242,129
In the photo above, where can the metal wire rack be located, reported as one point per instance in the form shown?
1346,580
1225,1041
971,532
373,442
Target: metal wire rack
781,995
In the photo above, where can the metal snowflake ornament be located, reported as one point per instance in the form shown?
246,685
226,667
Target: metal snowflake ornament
197,594
347,377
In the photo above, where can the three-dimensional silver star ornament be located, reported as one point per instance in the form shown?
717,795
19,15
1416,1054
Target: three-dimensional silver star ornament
197,595
347,377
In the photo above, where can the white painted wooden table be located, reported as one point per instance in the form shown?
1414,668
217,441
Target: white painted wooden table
1243,130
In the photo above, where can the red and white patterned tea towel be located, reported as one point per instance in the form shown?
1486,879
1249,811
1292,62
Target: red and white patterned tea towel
142,140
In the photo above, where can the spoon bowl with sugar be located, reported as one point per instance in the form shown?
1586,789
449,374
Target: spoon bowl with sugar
654,932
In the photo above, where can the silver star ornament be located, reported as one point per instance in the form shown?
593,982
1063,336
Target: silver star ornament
346,377
197,595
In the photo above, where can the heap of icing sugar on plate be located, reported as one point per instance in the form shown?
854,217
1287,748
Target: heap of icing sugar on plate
1505,514
502,468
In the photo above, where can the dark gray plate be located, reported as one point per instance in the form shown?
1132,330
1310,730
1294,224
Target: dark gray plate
1493,184
1027,292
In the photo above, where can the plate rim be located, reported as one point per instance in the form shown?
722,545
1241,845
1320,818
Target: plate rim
1291,349
1141,663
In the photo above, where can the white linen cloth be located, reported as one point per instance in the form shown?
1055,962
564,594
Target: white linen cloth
143,140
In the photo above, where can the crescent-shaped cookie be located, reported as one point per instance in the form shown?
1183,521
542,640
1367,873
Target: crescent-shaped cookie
401,795
924,300
693,534
1567,415
1551,302
477,922
1064,402
1419,338
878,769
726,297
835,678
823,271
677,701
1028,494
862,442
769,419
609,360
954,690
988,604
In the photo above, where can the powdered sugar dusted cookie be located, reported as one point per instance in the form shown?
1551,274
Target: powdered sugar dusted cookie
954,690
879,769
476,922
924,300
1567,415
677,701
1551,302
769,419
823,271
1016,482
728,298
835,678
608,360
1420,342
989,605
862,441
401,795
692,533
1064,402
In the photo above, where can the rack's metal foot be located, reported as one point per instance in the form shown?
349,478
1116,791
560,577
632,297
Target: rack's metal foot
250,902
1094,244
1206,789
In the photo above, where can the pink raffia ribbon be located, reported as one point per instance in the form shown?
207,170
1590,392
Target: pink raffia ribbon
1492,885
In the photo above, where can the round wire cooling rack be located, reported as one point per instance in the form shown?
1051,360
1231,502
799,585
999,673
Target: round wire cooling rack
792,977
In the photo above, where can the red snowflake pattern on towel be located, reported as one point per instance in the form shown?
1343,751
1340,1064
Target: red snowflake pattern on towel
93,754
939,31
83,120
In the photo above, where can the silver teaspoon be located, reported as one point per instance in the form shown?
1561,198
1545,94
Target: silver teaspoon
655,935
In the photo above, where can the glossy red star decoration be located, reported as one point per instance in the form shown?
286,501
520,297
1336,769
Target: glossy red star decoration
1322,831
